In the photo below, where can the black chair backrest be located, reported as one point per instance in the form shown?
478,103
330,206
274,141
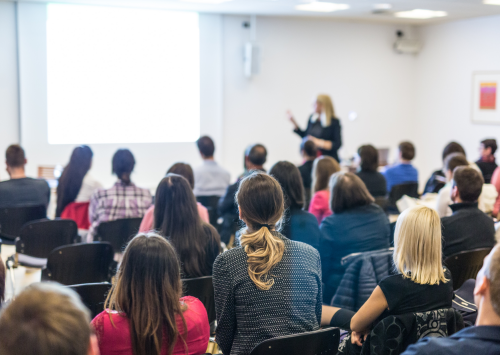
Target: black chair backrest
118,232
93,295
203,289
320,342
210,202
12,219
80,263
39,238
397,191
465,265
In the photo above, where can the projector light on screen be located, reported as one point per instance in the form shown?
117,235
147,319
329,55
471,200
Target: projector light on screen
118,75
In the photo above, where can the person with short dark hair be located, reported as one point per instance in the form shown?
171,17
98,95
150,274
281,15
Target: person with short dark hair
47,319
468,227
20,190
123,200
368,171
298,225
309,152
402,172
486,161
438,179
210,178
356,225
484,338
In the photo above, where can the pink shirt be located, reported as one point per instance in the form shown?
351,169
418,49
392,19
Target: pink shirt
115,339
495,181
147,220
320,205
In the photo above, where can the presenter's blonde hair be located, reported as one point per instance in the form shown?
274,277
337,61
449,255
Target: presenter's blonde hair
417,246
328,110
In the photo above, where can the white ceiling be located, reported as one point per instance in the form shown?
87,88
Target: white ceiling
360,10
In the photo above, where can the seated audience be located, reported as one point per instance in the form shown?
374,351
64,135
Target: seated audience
255,158
21,191
487,162
356,225
402,172
495,181
484,338
298,225
210,179
438,178
144,311
186,172
468,228
46,319
123,200
270,286
324,167
421,285
309,152
368,171
2,282
176,218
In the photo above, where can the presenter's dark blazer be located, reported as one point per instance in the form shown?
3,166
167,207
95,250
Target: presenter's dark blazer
331,133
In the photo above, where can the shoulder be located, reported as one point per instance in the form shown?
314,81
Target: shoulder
303,248
230,256
431,346
193,304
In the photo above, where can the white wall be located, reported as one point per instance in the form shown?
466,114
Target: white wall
451,53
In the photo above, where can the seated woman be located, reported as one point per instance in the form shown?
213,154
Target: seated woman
176,218
356,225
75,188
368,166
299,225
269,286
185,171
144,311
422,285
323,168
123,200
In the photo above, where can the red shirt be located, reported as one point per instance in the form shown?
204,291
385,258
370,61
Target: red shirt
115,340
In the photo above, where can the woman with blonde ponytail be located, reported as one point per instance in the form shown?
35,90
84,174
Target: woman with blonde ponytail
270,286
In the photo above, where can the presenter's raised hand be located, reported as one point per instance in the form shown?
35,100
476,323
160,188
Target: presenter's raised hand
290,117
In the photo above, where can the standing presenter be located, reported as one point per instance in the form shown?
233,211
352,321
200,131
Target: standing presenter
323,128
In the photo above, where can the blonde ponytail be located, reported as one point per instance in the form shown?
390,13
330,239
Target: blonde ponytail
264,250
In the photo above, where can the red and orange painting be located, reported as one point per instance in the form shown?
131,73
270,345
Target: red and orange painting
488,96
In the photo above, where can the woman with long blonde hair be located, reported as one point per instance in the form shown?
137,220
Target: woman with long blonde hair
270,286
323,168
421,283
323,128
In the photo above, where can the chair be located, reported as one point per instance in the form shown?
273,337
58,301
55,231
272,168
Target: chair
202,288
397,191
80,263
465,265
210,202
93,295
118,232
12,219
324,342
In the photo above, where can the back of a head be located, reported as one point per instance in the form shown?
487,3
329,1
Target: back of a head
469,183
183,170
257,154
46,319
206,146
261,203
453,147
490,143
323,167
288,176
407,150
147,290
348,191
123,164
417,246
14,156
369,157
455,160
309,148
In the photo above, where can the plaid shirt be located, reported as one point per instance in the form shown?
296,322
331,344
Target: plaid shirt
120,201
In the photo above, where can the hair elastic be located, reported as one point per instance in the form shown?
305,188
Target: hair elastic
265,225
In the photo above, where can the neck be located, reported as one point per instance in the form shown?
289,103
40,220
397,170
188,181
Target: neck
254,167
458,200
486,315
208,158
16,173
404,161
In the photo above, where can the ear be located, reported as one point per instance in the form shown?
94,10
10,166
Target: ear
239,212
454,193
25,161
482,286
93,346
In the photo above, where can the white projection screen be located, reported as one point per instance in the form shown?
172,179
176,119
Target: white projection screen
121,75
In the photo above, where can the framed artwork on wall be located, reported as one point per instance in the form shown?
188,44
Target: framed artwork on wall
486,97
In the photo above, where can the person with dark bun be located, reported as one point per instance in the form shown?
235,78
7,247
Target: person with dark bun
309,152
368,171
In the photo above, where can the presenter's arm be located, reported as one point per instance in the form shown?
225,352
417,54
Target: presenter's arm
297,129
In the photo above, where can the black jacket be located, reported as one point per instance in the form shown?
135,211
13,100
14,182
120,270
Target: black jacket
375,182
468,228
331,133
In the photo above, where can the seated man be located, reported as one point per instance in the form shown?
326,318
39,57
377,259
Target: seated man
438,178
21,191
484,338
309,152
468,228
210,179
47,319
487,162
402,172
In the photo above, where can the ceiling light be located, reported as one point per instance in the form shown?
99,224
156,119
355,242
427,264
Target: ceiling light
206,1
318,6
491,2
421,14
383,6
